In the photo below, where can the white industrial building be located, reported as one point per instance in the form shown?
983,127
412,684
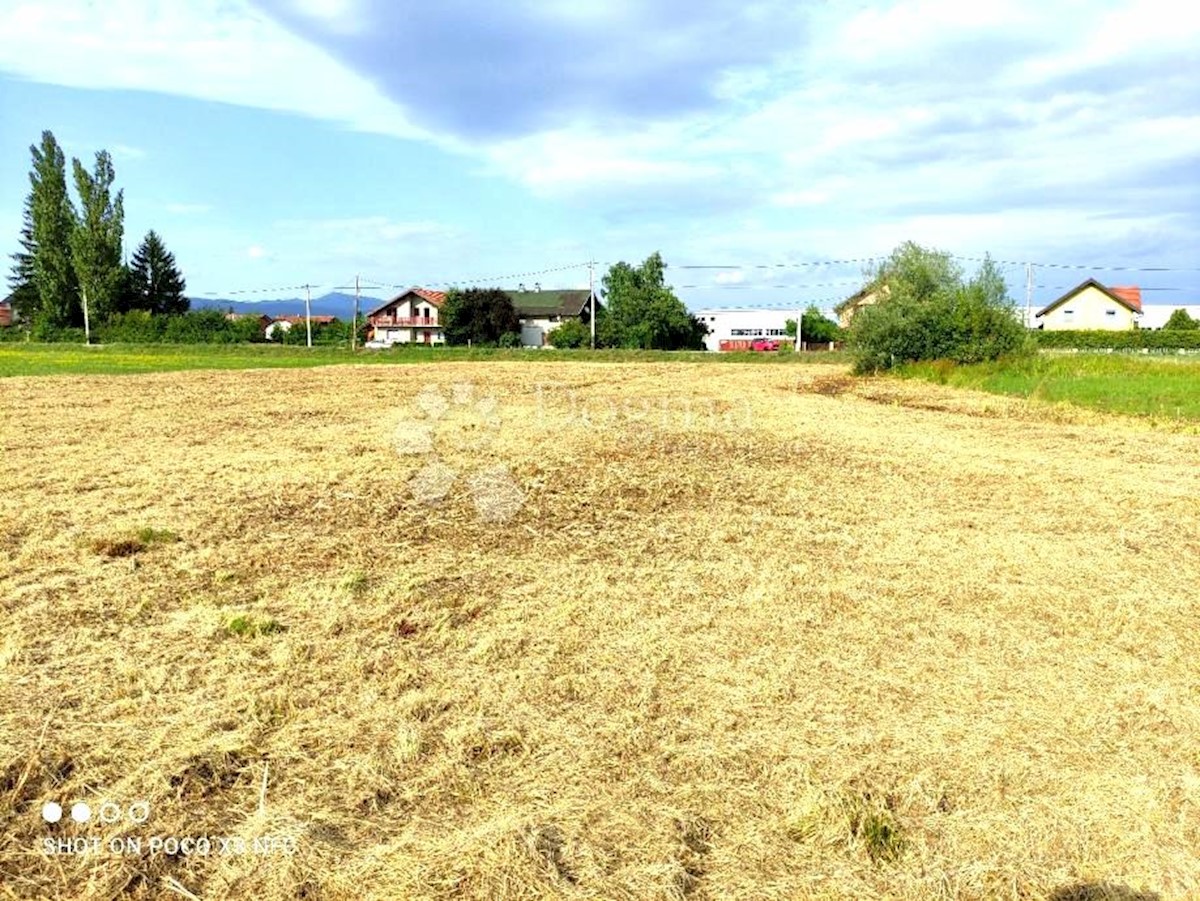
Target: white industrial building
745,324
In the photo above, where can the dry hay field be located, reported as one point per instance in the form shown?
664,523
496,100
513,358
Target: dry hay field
594,631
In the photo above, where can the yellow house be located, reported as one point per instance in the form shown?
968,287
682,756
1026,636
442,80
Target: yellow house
847,308
1093,306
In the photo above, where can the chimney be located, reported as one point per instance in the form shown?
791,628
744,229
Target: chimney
537,286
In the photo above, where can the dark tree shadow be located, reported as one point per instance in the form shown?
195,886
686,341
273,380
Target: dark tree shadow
1101,891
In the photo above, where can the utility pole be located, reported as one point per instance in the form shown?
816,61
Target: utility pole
592,299
800,331
354,326
1029,295
308,312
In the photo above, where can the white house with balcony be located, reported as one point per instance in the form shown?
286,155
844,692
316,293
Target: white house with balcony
408,318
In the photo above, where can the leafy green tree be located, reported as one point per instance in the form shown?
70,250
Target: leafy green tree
916,273
47,238
641,311
926,311
789,328
96,238
479,316
155,283
817,328
1181,320
572,333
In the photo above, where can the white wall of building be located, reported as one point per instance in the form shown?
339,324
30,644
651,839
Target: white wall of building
1156,315
1091,308
745,324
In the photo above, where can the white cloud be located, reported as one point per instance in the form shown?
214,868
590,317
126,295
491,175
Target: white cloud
1121,33
564,162
934,120
256,252
730,278
344,17
127,152
221,50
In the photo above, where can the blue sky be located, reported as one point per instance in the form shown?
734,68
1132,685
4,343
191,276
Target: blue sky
278,142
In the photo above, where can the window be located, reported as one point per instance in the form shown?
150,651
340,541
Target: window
1110,312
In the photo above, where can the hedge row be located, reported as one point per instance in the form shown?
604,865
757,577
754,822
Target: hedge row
195,327
1135,339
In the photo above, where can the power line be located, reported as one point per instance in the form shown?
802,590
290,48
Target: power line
219,294
803,265
1078,266
381,284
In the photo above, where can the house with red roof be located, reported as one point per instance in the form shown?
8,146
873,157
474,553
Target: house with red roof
410,317
1091,305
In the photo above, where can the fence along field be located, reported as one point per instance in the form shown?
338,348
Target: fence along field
751,631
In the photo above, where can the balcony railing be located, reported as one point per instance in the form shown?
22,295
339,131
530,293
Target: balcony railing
407,321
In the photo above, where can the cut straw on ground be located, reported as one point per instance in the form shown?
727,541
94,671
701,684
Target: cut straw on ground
700,631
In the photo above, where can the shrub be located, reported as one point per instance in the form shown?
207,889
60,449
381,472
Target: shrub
336,333
193,327
134,327
571,334
45,330
510,339
930,313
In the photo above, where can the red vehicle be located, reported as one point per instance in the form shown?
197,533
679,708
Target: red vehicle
764,344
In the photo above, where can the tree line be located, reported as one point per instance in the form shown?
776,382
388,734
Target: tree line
69,272
638,311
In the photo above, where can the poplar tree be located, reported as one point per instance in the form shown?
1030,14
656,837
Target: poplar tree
96,239
46,259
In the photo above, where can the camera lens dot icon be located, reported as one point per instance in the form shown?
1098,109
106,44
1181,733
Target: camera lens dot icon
52,812
80,812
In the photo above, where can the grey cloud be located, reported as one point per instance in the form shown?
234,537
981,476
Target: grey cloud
502,70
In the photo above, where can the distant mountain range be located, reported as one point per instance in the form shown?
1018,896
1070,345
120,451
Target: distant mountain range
334,304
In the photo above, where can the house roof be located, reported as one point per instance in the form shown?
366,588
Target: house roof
536,304
434,297
437,298
862,294
1131,294
1129,297
852,300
